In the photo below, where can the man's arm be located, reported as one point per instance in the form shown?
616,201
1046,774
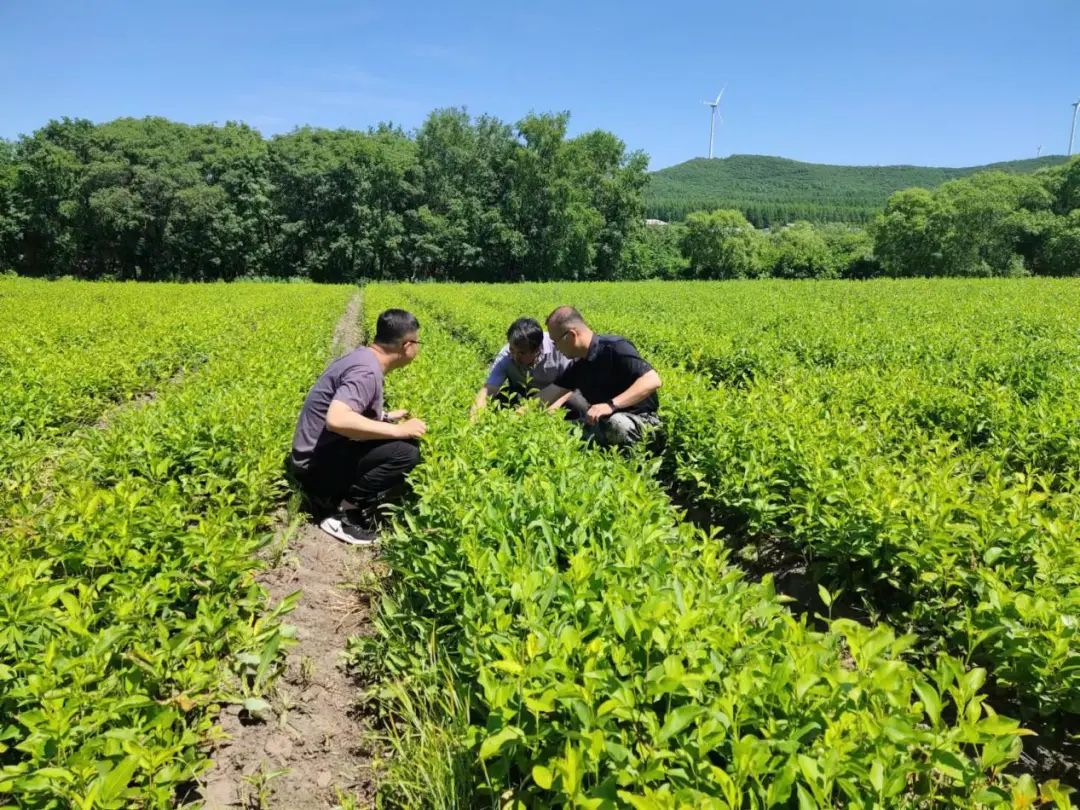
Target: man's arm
497,376
343,420
550,393
488,390
644,386
559,396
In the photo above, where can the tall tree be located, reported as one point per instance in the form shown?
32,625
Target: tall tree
723,244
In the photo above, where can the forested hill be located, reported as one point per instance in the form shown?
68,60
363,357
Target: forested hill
771,189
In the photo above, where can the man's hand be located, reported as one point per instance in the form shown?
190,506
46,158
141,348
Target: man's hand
412,429
598,412
396,416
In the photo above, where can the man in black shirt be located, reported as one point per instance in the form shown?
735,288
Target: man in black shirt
619,386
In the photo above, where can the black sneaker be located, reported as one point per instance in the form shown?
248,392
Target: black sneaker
343,527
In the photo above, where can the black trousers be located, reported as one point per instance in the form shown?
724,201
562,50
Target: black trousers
363,473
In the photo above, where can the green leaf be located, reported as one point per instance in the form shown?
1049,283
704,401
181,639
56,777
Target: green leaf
116,780
949,763
543,776
678,719
257,706
877,776
931,701
826,597
806,801
493,745
507,665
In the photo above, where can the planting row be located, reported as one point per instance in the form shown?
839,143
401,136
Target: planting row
898,490
129,609
72,351
553,634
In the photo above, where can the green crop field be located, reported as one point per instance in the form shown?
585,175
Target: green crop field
915,443
141,435
560,625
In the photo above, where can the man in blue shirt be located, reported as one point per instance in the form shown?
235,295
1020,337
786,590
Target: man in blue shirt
526,366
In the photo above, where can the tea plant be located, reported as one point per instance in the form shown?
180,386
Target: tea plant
919,444
130,611
591,649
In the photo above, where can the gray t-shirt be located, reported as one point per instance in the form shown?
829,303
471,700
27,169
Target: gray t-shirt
549,366
355,379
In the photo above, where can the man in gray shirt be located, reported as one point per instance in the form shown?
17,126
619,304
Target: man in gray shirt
348,455
527,365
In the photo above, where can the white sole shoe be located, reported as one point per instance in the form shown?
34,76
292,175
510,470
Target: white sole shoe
347,533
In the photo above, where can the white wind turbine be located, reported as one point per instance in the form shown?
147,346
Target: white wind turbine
1072,131
712,120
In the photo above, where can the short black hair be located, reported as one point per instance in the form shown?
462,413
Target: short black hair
393,325
525,332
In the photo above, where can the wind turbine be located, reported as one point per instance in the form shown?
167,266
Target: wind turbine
712,120
1072,131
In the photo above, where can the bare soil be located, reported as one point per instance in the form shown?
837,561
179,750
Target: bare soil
311,753
348,332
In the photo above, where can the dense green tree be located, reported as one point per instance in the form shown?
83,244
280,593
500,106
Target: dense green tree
478,199
1062,252
984,219
722,244
1063,182
851,251
904,241
544,208
9,216
343,201
800,251
773,191
612,182
45,195
655,251
464,170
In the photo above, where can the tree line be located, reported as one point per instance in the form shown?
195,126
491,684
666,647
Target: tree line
773,191
467,198
988,224
767,213
461,198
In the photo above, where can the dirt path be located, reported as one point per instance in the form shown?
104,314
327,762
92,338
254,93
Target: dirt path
313,742
348,332
309,753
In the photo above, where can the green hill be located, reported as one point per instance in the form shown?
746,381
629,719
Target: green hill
771,189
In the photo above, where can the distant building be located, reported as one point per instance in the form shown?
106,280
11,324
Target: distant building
655,222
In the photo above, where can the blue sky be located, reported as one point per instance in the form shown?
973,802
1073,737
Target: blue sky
933,83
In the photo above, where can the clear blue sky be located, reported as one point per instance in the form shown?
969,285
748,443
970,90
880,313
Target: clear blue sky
935,83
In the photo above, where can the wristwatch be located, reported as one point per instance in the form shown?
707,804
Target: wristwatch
611,403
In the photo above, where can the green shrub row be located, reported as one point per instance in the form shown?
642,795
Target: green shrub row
927,467
129,607
599,652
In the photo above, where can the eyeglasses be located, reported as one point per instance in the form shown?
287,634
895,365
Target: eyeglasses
559,339
406,342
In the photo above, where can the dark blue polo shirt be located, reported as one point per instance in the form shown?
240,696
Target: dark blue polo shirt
611,366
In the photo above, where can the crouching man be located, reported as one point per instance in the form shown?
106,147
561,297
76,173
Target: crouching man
619,386
348,456
526,366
